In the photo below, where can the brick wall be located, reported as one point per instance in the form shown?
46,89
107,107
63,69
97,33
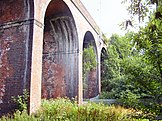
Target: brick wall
21,50
14,51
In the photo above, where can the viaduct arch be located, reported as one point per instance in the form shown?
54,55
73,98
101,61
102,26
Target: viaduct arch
90,78
41,50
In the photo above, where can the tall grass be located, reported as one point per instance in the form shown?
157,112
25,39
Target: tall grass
67,110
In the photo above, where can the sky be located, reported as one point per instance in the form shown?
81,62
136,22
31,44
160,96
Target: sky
108,14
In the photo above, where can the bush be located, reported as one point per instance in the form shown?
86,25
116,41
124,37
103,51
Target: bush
107,95
19,116
67,110
64,109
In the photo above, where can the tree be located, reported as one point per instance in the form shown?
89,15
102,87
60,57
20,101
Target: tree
130,75
149,38
121,53
130,69
143,9
134,63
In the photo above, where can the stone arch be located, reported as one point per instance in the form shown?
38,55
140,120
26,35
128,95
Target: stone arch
60,52
90,79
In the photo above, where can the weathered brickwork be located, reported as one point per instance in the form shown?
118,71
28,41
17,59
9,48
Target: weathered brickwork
53,83
12,63
59,77
41,45
92,84
14,50
11,11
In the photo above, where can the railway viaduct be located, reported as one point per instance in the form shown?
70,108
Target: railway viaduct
41,50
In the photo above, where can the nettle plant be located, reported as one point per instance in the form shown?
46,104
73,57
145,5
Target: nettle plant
21,100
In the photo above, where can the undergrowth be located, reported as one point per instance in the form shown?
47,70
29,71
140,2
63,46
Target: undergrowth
67,110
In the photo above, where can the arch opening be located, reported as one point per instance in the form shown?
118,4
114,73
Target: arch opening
90,74
60,52
104,56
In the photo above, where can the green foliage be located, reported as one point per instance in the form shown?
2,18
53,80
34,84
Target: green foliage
133,70
106,95
89,59
150,41
21,101
19,116
134,64
66,110
138,7
148,108
58,109
105,39
121,54
148,71
89,63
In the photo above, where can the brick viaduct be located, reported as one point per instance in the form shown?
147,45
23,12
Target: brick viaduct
41,50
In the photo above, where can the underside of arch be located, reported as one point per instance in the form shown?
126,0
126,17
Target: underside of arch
60,53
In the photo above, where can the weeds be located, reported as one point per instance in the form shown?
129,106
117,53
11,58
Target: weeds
21,101
67,110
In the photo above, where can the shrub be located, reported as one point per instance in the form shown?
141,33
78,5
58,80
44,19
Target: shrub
67,110
107,95
64,109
